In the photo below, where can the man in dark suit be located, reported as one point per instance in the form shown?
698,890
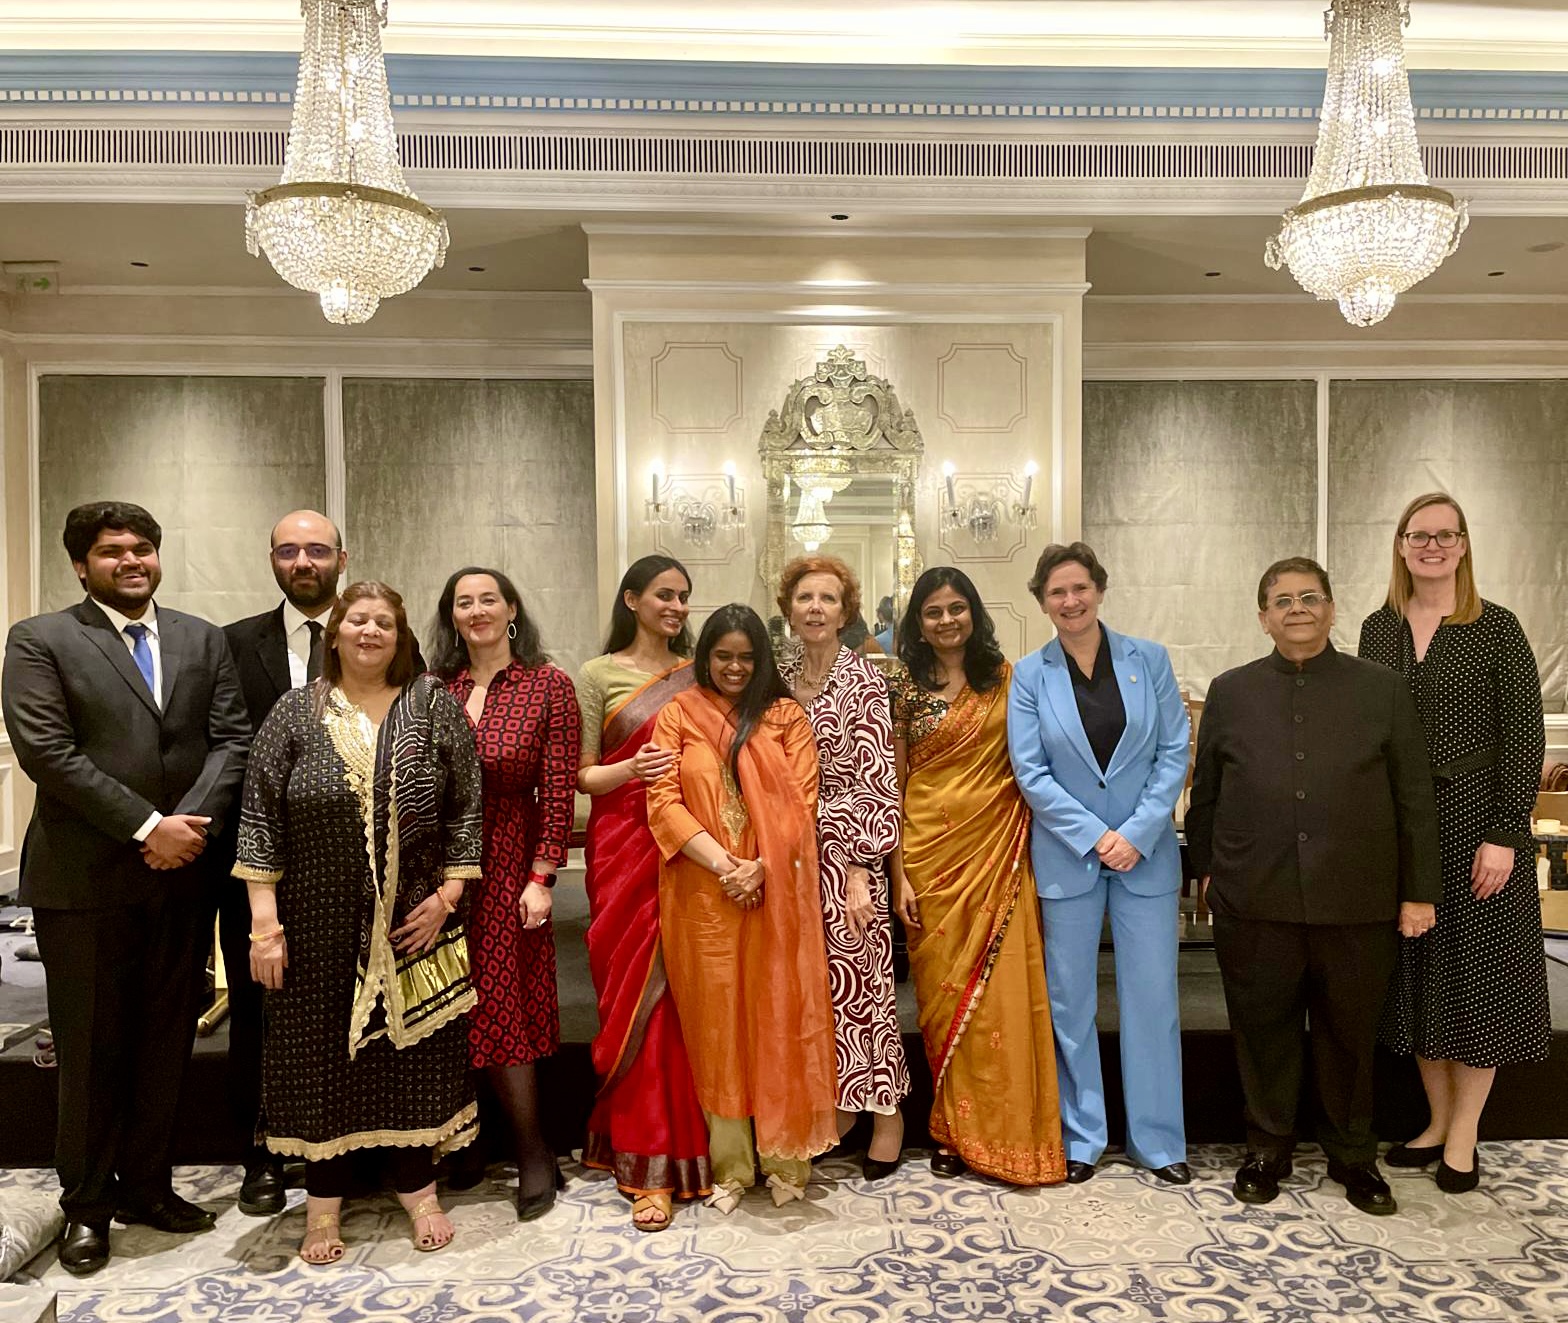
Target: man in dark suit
274,652
129,720
1314,826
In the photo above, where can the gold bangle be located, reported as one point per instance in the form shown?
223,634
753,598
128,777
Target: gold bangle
268,936
445,903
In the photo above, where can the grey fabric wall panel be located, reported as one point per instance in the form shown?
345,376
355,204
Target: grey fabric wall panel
1501,449
215,459
1190,490
442,474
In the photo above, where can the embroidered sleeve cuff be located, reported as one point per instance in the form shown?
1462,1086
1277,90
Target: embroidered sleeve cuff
267,877
461,873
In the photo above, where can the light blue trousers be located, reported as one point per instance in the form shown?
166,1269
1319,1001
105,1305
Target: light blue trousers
1143,929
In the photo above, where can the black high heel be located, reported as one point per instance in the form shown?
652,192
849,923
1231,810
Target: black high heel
874,1169
537,1205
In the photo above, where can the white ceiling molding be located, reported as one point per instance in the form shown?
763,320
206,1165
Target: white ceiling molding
1445,33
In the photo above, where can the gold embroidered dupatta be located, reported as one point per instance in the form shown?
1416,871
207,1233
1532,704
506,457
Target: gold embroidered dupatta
978,958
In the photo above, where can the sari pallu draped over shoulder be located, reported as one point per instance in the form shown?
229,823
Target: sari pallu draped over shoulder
647,1126
781,1072
978,958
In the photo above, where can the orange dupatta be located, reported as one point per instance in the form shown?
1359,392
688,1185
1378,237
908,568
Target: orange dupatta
751,985
978,958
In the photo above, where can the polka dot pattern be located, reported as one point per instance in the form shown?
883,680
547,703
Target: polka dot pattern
1474,989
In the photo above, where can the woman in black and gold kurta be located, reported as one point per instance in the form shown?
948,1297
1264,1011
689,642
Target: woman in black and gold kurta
361,822
1471,994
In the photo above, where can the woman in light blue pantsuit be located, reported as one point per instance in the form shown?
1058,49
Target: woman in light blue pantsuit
1098,735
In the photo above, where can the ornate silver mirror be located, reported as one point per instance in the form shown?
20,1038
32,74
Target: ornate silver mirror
840,460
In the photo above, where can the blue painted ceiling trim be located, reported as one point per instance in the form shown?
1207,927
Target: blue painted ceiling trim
416,77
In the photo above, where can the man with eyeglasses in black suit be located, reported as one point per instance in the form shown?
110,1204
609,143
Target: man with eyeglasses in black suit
1314,826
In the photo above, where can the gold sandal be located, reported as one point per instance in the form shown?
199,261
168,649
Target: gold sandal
331,1246
652,1203
427,1208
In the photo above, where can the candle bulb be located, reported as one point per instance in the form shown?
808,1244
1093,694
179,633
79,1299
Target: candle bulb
952,491
729,479
653,482
1029,472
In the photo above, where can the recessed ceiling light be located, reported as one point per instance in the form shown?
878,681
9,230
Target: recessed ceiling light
1209,275
1494,274
1546,247
476,268
139,264
839,215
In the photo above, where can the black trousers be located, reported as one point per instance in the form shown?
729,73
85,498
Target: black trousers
246,1020
409,1169
1278,977
124,987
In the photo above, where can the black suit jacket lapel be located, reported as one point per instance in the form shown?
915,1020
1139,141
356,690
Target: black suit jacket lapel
171,650
272,646
101,633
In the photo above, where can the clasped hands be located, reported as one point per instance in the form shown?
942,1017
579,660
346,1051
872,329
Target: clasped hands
743,882
175,841
1116,851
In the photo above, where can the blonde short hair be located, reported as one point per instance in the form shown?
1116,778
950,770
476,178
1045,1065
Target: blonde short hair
1401,587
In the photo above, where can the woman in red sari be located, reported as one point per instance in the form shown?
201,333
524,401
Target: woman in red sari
647,1127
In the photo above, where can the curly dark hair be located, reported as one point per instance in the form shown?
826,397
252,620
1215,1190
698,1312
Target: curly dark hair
85,522
983,659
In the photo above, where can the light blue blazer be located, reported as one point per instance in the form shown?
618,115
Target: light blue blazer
1074,803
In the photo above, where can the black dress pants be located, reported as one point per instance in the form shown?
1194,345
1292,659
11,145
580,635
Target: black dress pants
124,987
246,1018
1278,978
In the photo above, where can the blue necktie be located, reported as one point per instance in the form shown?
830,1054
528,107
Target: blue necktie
141,654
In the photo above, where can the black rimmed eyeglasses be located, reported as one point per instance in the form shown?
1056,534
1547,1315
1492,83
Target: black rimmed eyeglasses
1445,538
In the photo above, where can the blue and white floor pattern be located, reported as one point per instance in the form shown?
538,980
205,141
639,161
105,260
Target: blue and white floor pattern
1121,1248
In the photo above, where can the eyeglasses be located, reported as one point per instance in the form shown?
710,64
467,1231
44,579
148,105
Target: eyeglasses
1311,601
1448,537
288,551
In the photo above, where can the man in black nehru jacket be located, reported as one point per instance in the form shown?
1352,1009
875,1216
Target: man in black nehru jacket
1313,823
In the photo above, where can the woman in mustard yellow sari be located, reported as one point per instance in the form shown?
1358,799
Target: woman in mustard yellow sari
966,895
740,910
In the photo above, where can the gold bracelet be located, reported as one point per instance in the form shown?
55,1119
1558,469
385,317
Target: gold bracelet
267,937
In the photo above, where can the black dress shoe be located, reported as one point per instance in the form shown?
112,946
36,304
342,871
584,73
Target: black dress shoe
534,1205
1177,1173
1364,1186
947,1164
84,1249
1450,1181
168,1213
874,1169
1402,1155
262,1190
1079,1172
1257,1179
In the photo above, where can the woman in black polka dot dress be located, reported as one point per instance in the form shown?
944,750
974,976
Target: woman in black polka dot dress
1470,995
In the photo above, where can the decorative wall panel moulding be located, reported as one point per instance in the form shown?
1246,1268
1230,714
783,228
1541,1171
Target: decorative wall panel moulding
982,387
697,387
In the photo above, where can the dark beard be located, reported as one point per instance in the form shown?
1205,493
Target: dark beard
110,595
307,596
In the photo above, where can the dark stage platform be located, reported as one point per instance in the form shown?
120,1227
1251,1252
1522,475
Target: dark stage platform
1529,1102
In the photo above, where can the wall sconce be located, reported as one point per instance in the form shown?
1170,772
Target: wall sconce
979,505
697,505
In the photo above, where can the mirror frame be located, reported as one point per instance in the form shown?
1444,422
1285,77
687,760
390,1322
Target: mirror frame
844,421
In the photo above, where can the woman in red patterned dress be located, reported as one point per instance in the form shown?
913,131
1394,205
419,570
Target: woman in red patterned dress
524,714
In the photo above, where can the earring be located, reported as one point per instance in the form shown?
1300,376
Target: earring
511,629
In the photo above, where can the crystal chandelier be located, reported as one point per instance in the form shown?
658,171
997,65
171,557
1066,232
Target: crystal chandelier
343,223
1369,225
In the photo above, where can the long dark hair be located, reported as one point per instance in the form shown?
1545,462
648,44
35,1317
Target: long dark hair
623,621
983,659
765,687
450,653
400,670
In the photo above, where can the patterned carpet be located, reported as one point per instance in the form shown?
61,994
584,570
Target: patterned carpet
1119,1249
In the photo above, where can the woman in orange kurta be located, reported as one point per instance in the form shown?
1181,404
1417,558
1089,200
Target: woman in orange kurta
966,893
741,913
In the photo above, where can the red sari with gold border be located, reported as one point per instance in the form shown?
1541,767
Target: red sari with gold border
647,1127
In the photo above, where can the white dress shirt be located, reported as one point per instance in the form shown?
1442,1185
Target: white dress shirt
150,619
296,634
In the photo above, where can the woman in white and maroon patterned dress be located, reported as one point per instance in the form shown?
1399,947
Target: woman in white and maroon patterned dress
857,828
